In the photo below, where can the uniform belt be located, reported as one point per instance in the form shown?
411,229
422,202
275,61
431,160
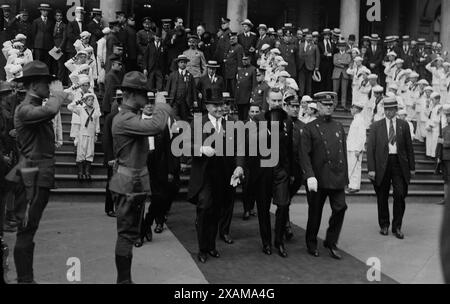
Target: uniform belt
132,172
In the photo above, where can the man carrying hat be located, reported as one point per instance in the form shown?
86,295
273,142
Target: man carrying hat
211,81
390,160
323,158
59,41
34,174
308,62
42,32
130,184
74,29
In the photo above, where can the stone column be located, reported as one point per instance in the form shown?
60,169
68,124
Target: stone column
109,9
237,12
350,18
445,24
392,24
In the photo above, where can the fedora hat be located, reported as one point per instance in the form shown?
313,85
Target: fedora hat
135,81
5,88
44,7
35,69
214,96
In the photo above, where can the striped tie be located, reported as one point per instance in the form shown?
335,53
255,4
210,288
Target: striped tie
392,136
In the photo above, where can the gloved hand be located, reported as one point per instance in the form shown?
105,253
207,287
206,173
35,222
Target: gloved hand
312,184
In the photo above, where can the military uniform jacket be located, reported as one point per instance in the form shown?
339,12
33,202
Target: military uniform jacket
289,53
378,149
144,38
222,46
297,130
323,154
233,60
246,81
130,137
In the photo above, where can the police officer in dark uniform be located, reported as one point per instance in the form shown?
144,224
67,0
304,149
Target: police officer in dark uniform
34,174
232,60
260,92
130,184
323,158
246,81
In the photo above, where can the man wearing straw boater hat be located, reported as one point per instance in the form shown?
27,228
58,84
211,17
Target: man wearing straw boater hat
43,34
209,81
390,160
34,174
130,184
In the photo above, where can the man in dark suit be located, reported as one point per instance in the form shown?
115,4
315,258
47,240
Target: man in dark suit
210,175
176,43
390,160
406,52
95,27
289,50
223,42
144,37
155,62
59,41
231,62
248,40
323,159
308,62
181,89
73,31
112,80
375,56
43,35
131,45
210,81
263,39
421,57
245,83
327,48
24,26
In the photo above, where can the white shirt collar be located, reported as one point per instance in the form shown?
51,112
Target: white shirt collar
182,72
213,120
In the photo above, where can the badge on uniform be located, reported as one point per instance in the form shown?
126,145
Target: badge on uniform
259,92
246,74
338,134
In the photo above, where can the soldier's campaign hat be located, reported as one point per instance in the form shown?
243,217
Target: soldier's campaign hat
96,11
5,88
446,109
435,95
247,22
326,98
375,37
34,70
390,102
212,64
135,81
213,96
119,94
5,7
44,7
181,58
378,89
262,26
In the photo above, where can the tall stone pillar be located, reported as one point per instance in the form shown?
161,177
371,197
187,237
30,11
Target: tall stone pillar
237,12
109,9
445,24
350,18
392,22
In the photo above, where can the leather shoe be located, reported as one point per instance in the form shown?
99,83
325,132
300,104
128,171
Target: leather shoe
334,251
282,251
246,216
314,252
202,257
384,231
267,250
398,234
289,234
252,213
214,253
159,228
227,239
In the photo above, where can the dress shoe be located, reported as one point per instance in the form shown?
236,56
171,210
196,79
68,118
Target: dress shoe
149,235
289,234
384,231
398,234
282,251
313,252
202,257
227,239
334,251
214,253
252,213
246,216
139,243
10,227
267,250
159,228
111,214
352,191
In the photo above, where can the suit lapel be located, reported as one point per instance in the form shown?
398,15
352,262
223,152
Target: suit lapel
385,134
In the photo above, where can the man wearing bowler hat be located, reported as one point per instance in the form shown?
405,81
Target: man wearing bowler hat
323,159
130,184
390,161
34,174
210,175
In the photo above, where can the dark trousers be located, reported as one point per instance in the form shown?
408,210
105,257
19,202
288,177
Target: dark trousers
243,111
129,217
132,65
445,237
326,71
59,69
230,86
24,248
155,79
181,109
42,55
226,214
249,189
393,176
109,202
264,194
316,201
305,81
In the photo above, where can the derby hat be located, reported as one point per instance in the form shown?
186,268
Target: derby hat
135,81
35,70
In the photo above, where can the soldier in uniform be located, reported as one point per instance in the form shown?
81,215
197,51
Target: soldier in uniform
223,42
144,38
130,184
289,50
246,82
232,60
261,90
323,158
34,174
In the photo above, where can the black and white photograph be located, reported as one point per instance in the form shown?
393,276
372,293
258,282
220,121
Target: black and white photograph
222,149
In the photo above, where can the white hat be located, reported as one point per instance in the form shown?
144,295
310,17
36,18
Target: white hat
378,89
392,54
265,46
279,58
85,34
402,112
393,86
312,105
74,78
106,30
306,98
447,64
248,22
364,70
399,60
275,51
79,8
85,96
391,94
435,95
17,44
283,63
358,58
423,81
82,79
356,50
81,52
284,74
429,88
372,76
20,37
414,75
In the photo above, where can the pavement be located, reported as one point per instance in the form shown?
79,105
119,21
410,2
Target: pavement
81,230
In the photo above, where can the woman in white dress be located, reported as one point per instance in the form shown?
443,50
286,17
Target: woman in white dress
433,124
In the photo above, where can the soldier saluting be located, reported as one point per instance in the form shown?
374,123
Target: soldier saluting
323,159
130,184
35,172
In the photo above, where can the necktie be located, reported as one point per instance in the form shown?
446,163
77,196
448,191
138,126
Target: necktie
306,46
217,126
45,19
392,136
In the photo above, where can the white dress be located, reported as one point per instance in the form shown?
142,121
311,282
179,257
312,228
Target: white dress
101,59
432,129
89,127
